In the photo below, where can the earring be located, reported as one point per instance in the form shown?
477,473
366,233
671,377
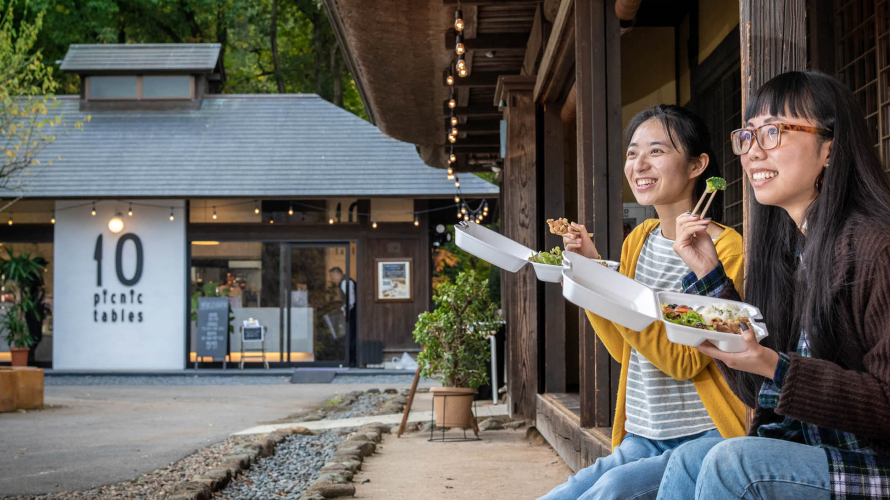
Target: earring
820,180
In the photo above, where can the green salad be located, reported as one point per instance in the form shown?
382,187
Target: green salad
716,184
551,258
684,315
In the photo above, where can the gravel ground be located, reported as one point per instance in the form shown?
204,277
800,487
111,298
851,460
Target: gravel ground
166,381
365,405
288,472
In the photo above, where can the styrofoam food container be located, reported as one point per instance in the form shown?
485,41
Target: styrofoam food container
633,305
686,335
548,273
491,247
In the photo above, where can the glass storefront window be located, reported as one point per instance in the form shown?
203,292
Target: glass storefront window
43,351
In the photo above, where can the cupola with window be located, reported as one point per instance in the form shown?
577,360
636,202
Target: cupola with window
144,76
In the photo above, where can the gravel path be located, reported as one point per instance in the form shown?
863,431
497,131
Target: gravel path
379,379
288,472
166,381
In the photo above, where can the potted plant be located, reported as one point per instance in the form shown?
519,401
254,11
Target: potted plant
455,340
22,273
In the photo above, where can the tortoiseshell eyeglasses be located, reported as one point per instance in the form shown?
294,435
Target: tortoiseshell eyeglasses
768,136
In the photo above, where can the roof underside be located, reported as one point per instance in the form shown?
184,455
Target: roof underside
174,57
235,146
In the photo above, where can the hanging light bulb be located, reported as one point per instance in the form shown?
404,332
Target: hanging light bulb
466,217
330,220
454,120
456,198
452,139
459,20
452,102
116,224
451,177
374,224
10,218
53,219
452,158
130,210
450,171
459,45
461,65
449,79
271,220
462,72
171,213
92,212
256,207
416,221
454,131
459,215
214,213
290,210
456,182
463,209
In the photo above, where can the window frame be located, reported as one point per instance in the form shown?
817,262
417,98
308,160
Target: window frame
139,96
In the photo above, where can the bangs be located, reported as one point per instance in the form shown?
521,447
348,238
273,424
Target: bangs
788,94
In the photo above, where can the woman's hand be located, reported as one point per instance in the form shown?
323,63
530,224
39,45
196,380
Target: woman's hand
694,245
756,359
578,240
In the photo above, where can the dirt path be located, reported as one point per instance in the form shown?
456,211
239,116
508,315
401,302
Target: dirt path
501,466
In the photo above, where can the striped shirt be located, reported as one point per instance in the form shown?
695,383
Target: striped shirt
658,406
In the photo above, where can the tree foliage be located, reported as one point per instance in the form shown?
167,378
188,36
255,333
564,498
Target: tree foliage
309,59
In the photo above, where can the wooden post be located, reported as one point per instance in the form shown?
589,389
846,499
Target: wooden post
552,172
598,81
773,41
520,223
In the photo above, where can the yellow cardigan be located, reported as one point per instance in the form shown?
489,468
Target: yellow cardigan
679,361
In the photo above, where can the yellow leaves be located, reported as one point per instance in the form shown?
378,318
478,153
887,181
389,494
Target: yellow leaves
9,153
89,117
50,163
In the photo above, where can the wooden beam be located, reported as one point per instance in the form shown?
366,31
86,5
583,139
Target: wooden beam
480,80
598,81
773,41
488,42
534,45
520,223
559,55
480,111
552,175
455,3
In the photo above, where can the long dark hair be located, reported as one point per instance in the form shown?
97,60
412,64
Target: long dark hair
689,130
854,183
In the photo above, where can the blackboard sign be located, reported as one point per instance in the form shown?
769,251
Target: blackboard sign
252,333
213,327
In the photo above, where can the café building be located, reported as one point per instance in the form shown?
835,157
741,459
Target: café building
171,190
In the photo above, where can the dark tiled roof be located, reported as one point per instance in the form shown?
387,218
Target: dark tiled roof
150,57
294,145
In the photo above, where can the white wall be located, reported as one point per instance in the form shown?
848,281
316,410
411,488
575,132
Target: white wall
104,335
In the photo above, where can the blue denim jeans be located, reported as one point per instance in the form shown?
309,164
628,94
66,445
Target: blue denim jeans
632,471
746,467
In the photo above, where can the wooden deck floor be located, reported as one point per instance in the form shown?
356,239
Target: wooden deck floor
558,418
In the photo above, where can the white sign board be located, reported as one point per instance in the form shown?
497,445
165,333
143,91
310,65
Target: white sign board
119,299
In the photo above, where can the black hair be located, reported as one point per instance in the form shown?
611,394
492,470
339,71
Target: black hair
691,132
791,299
335,270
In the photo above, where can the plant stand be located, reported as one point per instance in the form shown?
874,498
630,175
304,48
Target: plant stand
444,439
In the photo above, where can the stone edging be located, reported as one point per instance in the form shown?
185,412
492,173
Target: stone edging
335,477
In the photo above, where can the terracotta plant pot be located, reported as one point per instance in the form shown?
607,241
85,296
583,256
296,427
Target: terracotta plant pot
453,406
19,355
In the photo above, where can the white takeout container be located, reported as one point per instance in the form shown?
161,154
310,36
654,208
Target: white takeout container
633,305
491,247
548,272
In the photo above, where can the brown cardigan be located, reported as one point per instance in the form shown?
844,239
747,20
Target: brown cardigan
822,393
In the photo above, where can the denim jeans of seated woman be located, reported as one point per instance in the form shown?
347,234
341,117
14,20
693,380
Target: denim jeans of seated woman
632,472
746,467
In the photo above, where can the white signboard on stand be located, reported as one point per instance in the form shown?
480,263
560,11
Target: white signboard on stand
119,297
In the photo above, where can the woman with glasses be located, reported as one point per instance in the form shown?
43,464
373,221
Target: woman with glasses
668,394
819,270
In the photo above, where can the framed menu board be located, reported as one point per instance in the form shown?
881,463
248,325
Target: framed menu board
213,328
394,280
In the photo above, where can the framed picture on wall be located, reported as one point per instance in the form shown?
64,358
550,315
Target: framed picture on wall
394,280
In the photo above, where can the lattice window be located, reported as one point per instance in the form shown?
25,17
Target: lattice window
733,213
861,62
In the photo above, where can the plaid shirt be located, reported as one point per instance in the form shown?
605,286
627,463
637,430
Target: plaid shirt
857,472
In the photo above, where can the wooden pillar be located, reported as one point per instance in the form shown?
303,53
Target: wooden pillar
552,175
773,41
520,223
598,81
